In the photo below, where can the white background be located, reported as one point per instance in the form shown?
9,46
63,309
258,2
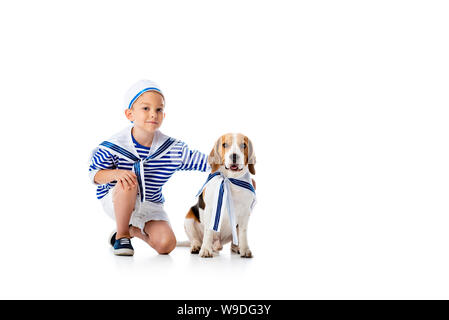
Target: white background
346,103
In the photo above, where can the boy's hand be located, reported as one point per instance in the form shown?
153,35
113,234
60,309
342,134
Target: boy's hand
126,178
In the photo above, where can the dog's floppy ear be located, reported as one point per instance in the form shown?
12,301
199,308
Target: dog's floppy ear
214,157
251,157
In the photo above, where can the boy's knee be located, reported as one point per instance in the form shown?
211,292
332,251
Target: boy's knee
119,190
165,245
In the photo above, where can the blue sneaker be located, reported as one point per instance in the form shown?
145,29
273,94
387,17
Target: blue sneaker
111,239
123,247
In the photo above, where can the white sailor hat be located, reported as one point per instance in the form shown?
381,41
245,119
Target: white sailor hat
138,89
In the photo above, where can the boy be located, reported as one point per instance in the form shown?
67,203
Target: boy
132,166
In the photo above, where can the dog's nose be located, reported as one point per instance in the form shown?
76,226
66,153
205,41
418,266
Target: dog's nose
234,157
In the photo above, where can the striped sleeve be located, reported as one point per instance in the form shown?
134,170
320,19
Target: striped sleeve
193,160
101,159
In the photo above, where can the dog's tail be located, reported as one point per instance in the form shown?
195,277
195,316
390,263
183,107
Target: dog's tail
183,243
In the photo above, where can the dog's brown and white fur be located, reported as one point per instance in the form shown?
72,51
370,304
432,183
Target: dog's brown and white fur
233,154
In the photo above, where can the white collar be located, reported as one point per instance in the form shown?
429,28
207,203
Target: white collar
124,139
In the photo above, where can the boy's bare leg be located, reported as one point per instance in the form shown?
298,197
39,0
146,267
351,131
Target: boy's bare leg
124,202
159,235
137,233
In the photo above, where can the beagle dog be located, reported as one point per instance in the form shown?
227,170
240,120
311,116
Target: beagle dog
232,159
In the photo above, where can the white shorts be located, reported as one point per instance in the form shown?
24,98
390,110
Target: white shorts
143,211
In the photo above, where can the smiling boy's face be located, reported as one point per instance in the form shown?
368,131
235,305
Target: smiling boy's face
147,112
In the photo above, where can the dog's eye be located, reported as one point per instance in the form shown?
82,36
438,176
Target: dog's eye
225,145
243,145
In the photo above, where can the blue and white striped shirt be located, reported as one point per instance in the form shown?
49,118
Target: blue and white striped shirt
156,172
141,150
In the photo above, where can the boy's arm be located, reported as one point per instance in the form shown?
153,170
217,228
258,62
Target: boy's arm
194,160
101,160
126,178
105,176
103,170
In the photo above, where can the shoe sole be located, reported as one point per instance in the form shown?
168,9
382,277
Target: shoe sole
123,252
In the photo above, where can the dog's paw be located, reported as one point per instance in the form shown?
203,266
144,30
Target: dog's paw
195,249
217,246
206,252
235,249
246,253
